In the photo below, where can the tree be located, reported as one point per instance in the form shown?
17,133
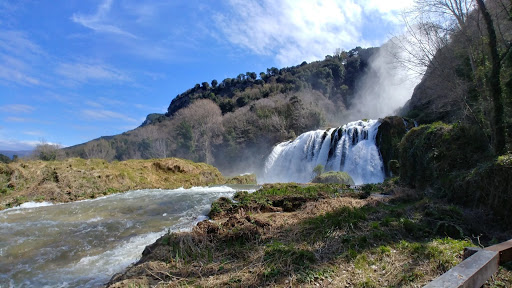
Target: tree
201,128
494,82
251,75
47,152
185,142
430,23
449,29
319,169
100,149
214,83
4,159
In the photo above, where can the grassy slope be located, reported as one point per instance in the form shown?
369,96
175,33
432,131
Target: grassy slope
77,179
323,235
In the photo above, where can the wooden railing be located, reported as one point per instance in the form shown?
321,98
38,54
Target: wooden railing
477,267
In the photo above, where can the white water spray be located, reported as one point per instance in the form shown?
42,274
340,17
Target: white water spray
350,148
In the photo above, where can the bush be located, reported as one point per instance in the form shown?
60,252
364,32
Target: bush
334,177
319,169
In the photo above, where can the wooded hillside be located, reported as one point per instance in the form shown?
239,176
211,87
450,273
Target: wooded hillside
240,119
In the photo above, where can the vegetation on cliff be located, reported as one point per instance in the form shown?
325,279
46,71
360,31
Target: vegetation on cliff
456,162
469,73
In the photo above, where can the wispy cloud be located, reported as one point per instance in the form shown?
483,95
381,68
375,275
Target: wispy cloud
81,73
17,145
17,108
101,115
18,77
297,30
34,133
18,43
16,51
93,104
100,22
388,10
19,120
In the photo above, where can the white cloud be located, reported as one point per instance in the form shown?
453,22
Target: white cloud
297,30
93,104
102,115
100,21
17,43
16,52
34,133
17,145
20,120
17,108
83,73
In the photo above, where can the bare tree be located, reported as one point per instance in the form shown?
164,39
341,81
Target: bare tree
204,118
429,24
100,149
47,151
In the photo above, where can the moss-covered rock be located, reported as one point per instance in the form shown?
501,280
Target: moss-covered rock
489,185
431,155
389,135
242,179
455,162
334,177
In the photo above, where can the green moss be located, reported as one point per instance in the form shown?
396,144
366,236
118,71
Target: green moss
431,153
389,135
242,179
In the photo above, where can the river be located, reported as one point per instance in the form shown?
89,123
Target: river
82,244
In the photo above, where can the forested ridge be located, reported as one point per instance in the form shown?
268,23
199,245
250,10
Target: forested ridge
240,119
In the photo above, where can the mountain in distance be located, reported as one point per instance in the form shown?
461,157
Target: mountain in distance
21,153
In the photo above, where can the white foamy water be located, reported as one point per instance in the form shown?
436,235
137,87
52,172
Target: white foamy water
350,148
82,244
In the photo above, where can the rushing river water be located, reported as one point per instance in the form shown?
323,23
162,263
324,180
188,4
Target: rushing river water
82,244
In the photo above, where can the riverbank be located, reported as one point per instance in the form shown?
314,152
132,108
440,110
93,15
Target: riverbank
317,235
78,179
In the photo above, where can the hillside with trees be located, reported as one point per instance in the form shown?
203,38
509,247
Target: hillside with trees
469,73
240,119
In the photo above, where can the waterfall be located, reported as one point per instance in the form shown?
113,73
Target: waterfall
350,148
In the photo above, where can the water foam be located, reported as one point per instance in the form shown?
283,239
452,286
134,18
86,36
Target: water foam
350,148
82,244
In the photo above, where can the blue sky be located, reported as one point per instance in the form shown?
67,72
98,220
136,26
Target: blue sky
75,70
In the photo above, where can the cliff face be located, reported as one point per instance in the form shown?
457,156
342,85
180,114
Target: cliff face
441,93
389,135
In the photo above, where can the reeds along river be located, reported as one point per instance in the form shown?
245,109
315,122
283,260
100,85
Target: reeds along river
82,244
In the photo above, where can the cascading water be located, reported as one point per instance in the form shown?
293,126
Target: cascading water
350,148
83,244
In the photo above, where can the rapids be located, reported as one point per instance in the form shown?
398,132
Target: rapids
350,148
83,244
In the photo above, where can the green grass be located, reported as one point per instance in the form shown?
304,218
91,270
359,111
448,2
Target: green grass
346,218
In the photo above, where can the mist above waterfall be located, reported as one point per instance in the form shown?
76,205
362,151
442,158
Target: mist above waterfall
386,86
